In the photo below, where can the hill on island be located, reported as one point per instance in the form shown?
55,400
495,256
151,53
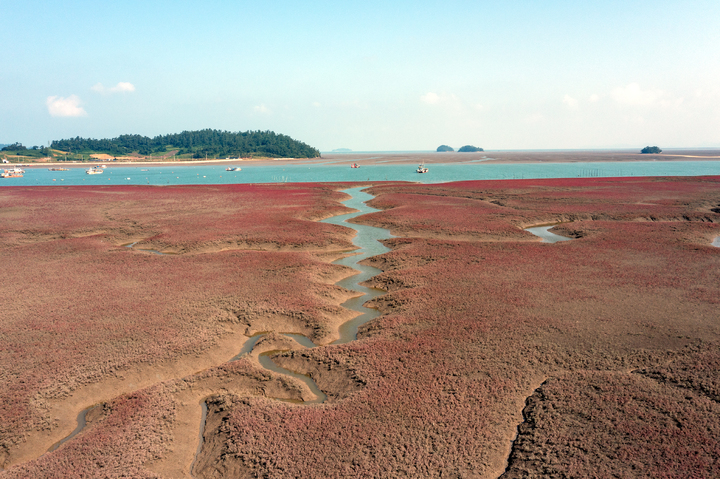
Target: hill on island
651,149
442,148
469,148
198,144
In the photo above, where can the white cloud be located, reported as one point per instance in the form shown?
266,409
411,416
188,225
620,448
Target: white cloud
121,87
571,102
262,109
70,106
316,104
633,95
594,98
430,98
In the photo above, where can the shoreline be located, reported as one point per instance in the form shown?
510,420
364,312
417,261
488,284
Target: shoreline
490,157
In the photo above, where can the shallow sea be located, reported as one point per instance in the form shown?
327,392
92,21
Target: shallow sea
333,171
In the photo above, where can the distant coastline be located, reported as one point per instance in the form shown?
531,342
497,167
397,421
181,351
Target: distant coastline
408,157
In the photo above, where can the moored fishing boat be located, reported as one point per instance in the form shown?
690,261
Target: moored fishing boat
233,168
95,170
354,165
14,173
421,168
58,169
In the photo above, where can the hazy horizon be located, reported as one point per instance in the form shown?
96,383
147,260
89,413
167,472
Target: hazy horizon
405,76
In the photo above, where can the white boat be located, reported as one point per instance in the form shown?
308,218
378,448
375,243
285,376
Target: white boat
95,170
233,168
14,173
421,168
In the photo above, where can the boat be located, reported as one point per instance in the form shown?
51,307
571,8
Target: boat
58,169
95,170
421,168
14,173
354,165
233,168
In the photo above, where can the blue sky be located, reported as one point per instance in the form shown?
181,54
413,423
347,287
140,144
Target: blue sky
402,75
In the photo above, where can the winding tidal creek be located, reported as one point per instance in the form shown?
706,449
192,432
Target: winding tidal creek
367,241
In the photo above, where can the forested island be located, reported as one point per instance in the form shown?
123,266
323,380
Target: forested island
469,149
650,149
197,144
462,149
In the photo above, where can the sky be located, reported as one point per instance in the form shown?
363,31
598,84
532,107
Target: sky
368,76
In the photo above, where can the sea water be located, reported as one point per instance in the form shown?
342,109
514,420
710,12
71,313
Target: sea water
339,171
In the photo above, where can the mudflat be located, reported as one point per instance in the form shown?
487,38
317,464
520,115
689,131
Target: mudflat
491,156
496,354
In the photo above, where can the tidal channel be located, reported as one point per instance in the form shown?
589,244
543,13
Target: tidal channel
367,240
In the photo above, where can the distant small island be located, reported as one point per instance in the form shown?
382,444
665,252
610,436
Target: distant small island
469,148
341,150
651,149
445,148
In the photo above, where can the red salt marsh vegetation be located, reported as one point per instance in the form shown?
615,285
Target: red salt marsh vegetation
496,354
86,319
578,349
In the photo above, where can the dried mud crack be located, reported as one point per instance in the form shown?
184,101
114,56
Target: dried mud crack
527,424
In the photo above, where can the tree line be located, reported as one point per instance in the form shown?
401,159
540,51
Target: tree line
20,149
201,143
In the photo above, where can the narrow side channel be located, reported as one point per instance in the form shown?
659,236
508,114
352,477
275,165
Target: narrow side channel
81,423
201,440
544,233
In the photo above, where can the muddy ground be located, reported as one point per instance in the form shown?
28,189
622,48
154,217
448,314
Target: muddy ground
496,355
